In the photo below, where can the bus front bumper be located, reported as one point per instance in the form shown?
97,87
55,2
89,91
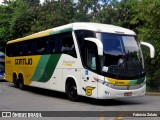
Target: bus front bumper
110,93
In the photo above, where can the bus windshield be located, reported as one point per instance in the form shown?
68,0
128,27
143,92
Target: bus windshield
122,56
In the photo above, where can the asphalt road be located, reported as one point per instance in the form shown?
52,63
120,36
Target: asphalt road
36,99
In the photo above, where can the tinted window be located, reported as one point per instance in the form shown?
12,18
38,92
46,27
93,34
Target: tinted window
67,45
42,45
80,35
61,43
91,53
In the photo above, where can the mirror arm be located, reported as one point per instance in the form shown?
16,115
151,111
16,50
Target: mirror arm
152,50
98,43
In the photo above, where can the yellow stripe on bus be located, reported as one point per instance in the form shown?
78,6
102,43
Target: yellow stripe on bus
118,82
36,35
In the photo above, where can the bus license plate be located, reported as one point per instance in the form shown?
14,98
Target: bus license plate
128,94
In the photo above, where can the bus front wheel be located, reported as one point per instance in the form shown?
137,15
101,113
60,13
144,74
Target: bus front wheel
71,90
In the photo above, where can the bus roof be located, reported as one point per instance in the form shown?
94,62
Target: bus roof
98,27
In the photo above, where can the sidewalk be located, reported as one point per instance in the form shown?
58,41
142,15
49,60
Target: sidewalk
153,93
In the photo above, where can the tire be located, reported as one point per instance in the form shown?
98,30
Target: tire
21,83
71,91
15,82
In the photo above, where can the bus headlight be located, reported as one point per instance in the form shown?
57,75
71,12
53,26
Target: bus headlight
107,84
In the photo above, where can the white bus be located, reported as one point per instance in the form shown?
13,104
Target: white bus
82,59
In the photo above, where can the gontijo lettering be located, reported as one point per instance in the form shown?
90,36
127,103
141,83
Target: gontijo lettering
23,61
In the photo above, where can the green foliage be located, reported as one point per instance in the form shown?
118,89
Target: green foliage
52,14
5,18
104,11
23,17
148,28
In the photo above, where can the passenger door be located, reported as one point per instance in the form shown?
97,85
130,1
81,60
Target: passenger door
89,76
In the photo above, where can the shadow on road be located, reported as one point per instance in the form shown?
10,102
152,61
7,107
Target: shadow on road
111,102
43,92
60,95
3,81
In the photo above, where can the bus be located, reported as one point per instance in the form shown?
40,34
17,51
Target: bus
2,64
81,59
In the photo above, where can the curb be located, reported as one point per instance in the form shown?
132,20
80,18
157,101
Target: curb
153,94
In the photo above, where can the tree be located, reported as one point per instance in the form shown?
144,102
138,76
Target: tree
5,18
149,31
51,14
21,19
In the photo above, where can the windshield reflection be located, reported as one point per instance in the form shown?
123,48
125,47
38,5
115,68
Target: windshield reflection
122,55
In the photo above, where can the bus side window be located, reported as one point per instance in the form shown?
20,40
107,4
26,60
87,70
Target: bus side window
80,35
9,51
31,47
25,47
46,46
42,45
67,44
22,48
91,55
12,49
17,50
53,45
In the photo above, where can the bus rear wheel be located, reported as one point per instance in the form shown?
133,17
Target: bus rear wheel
71,91
15,82
21,83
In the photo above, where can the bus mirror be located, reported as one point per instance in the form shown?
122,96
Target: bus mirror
98,43
152,50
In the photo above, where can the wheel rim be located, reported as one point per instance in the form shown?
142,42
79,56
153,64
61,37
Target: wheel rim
20,85
15,82
73,90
